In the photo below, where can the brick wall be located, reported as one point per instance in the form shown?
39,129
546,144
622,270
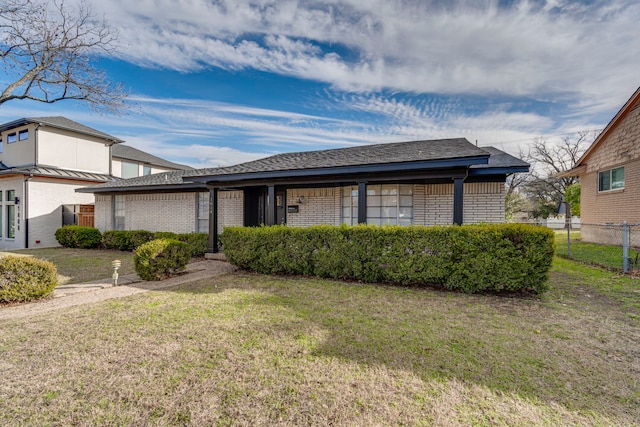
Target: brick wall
321,206
611,206
230,209
103,213
484,202
161,212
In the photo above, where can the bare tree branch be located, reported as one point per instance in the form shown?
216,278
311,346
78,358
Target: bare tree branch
47,50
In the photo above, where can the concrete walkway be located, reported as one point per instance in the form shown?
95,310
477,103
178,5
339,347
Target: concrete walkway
65,296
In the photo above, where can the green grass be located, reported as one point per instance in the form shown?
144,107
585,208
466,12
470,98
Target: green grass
591,253
247,349
83,265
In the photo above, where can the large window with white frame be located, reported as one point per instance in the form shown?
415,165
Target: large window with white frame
612,179
203,213
387,204
118,212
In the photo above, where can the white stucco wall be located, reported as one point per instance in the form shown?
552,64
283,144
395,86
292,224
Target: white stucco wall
68,150
19,153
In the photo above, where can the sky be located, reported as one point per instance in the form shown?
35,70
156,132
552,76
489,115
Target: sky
219,82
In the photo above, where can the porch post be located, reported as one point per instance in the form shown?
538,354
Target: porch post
270,217
458,199
362,203
213,221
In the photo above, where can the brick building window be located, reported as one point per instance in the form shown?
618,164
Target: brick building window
203,213
612,179
389,204
118,212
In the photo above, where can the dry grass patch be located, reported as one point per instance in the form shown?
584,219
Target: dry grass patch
256,350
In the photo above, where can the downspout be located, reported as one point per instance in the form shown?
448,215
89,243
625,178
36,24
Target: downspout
25,209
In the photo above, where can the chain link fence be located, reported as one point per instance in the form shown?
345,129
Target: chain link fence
611,245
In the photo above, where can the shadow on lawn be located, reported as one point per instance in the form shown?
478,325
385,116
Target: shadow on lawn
562,353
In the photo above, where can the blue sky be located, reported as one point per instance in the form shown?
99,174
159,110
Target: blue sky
217,82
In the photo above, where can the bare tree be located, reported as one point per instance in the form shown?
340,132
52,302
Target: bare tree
549,159
47,51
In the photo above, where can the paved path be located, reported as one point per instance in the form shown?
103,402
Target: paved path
65,296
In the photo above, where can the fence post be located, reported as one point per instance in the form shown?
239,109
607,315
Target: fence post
625,247
568,221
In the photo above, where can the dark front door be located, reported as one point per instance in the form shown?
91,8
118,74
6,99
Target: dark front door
254,206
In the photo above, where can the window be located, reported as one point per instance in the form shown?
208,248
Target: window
203,213
350,205
386,204
11,138
129,170
118,212
612,179
10,197
23,135
146,170
0,145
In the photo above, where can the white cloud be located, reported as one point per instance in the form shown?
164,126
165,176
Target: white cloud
579,50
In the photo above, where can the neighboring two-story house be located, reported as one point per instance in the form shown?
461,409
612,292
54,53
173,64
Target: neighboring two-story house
609,174
43,160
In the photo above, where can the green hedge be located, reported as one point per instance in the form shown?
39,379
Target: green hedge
160,258
129,240
469,258
25,278
74,236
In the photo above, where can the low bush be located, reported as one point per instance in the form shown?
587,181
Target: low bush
74,236
26,279
116,239
139,237
469,258
161,258
198,243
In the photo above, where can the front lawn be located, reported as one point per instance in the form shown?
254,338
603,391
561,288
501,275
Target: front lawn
83,265
248,349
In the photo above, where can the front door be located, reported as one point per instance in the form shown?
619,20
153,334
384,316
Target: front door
255,206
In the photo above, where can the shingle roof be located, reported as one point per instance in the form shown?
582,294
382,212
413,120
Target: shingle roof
60,123
53,172
397,152
127,152
378,154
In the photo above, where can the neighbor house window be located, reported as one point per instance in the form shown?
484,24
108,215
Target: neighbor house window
11,213
118,212
612,179
146,170
129,170
23,135
203,213
11,138
386,204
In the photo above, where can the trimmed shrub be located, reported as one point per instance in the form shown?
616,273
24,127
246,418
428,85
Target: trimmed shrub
198,243
74,236
165,235
116,239
469,258
139,237
161,258
26,279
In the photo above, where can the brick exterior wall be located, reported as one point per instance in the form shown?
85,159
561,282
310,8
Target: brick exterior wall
230,209
321,206
620,148
103,213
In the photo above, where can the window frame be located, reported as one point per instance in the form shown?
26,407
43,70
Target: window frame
202,212
12,136
119,212
21,133
129,165
146,170
607,176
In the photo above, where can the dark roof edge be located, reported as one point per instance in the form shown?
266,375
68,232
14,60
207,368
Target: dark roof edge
26,120
499,170
158,187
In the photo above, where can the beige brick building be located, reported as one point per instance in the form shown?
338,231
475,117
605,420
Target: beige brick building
609,173
416,182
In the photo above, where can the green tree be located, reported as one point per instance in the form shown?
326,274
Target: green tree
572,197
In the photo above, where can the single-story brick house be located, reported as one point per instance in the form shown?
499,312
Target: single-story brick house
417,182
609,174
